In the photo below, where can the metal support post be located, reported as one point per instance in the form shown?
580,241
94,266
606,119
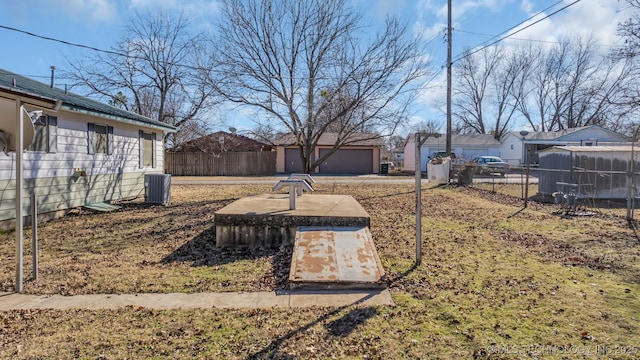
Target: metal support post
34,233
19,201
418,202
292,196
526,185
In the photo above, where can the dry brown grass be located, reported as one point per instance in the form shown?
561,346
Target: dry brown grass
144,248
496,282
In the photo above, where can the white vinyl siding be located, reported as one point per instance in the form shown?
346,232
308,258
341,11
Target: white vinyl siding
72,153
108,176
511,150
56,194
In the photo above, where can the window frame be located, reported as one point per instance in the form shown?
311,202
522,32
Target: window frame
142,138
101,139
92,139
50,140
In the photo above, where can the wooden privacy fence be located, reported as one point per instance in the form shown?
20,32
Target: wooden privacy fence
221,164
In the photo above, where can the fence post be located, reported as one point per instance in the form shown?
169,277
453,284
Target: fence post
526,185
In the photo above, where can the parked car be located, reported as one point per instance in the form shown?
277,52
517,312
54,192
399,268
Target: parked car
490,165
441,154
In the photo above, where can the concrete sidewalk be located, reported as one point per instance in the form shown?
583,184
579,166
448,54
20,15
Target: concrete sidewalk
230,300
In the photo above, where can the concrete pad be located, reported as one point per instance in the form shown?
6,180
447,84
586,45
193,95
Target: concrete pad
265,220
306,205
231,300
335,257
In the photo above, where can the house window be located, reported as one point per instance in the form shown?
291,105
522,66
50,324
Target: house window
147,146
45,139
100,139
147,149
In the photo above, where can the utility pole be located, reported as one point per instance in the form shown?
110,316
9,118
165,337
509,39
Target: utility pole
448,148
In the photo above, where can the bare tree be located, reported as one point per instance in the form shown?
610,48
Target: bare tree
630,31
308,65
527,60
395,142
629,101
263,131
474,74
509,84
428,126
330,104
574,86
491,87
156,70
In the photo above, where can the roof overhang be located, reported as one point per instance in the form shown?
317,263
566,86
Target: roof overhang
79,110
13,105
27,98
42,102
546,142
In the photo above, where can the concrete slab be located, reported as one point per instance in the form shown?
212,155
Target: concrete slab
306,205
265,220
231,300
334,257
340,298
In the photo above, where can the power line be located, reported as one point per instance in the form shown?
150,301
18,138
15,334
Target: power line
111,52
528,40
437,35
463,55
522,22
62,41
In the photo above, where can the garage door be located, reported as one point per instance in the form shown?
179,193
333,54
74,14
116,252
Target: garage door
292,161
347,161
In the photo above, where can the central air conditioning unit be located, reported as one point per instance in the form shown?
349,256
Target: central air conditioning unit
157,188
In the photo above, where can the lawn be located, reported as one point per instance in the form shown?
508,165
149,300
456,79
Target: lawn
497,281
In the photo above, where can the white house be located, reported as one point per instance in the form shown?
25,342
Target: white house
83,151
464,146
512,150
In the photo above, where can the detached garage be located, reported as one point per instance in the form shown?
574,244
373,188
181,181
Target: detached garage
465,147
359,157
